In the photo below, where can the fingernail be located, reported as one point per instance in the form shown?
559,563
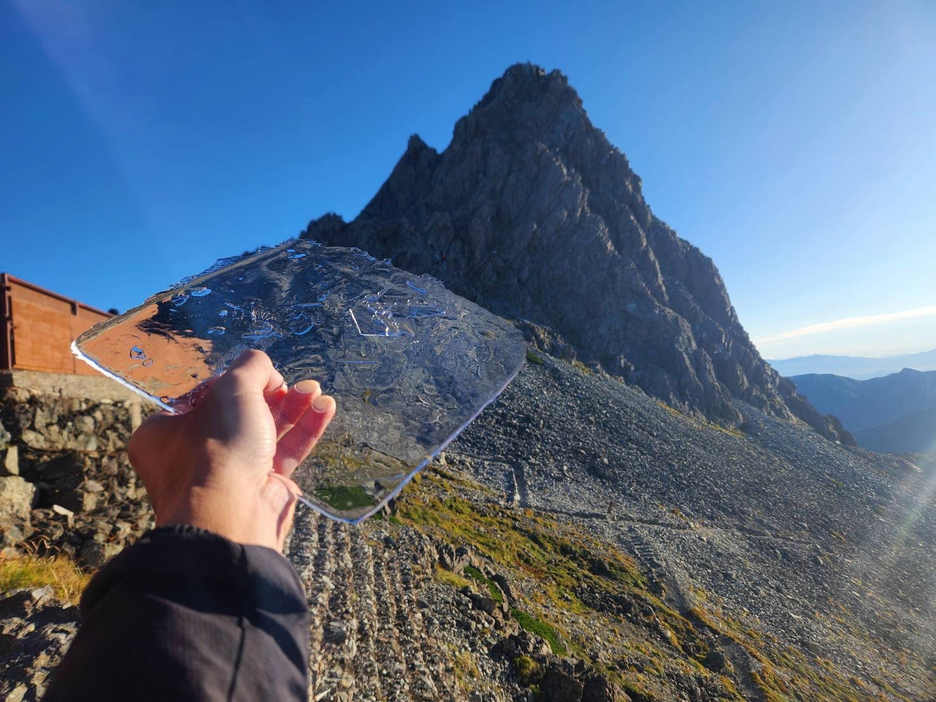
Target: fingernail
306,387
322,403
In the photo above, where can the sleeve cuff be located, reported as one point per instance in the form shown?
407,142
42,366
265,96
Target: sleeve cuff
181,562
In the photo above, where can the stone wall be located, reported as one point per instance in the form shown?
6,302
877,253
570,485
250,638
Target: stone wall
66,484
86,387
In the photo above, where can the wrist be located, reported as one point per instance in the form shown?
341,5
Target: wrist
204,508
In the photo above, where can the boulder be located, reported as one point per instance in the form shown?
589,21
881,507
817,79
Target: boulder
600,568
560,685
16,501
335,632
454,559
504,586
597,688
9,461
483,604
715,660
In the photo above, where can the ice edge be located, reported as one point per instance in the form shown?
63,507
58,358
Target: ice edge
396,491
113,376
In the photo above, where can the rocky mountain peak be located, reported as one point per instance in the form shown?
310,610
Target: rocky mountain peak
533,213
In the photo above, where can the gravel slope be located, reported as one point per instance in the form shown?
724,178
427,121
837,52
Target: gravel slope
770,559
822,548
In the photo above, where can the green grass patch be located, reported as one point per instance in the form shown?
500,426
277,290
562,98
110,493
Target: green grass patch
636,692
447,577
68,581
533,544
561,557
344,497
465,668
528,670
476,574
701,422
540,628
533,358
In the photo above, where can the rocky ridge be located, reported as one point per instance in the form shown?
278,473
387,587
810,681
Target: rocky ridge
532,213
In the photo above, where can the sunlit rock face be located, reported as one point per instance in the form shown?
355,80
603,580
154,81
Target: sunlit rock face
533,213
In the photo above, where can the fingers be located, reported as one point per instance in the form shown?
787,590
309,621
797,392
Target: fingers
298,442
294,404
280,495
253,371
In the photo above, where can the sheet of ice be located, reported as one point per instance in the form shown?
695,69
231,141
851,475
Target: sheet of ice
409,363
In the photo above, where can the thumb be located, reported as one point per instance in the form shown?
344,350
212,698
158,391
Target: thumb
279,496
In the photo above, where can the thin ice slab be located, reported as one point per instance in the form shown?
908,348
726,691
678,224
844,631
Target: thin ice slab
409,363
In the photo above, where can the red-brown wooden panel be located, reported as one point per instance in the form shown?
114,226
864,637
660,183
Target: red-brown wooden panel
41,337
38,327
21,291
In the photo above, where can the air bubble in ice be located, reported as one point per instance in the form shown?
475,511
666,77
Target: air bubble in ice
300,327
415,287
137,353
264,330
216,331
148,362
200,291
180,299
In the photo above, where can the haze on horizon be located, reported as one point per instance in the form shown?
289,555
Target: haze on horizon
791,143
873,336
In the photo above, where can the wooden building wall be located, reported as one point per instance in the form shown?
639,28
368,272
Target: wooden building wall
37,327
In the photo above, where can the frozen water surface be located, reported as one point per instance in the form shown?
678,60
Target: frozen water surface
409,363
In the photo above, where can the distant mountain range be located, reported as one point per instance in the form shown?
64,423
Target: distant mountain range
914,432
861,404
855,366
894,413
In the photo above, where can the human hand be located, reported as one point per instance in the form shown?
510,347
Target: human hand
225,465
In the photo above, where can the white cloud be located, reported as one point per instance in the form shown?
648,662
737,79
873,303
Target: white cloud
847,323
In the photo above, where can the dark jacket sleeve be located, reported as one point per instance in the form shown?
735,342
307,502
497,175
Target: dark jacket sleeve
188,615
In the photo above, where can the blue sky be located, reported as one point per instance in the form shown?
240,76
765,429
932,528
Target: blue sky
793,142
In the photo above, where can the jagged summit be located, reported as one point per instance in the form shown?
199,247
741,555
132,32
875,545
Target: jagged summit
532,212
